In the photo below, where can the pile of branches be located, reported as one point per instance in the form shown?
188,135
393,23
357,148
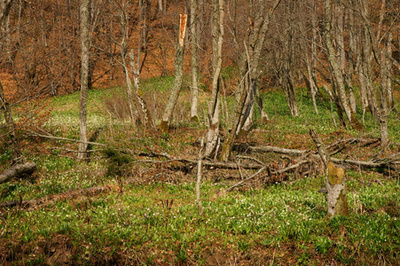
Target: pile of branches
294,162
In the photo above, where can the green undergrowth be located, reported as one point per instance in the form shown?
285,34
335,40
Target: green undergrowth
149,214
159,223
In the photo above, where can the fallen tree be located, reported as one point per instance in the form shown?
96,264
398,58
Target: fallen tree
52,199
18,171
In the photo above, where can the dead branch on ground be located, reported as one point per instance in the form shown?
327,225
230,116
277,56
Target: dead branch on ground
52,199
16,171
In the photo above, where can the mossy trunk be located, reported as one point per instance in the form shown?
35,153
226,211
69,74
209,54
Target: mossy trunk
334,181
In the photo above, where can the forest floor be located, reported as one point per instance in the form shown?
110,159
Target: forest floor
134,202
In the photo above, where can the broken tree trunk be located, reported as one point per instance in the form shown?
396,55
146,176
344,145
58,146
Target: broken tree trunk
176,89
18,170
334,181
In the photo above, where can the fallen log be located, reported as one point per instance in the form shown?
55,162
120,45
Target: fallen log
382,163
332,149
18,170
52,199
293,152
210,164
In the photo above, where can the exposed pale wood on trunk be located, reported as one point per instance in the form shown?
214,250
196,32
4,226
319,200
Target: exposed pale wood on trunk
146,115
334,181
177,86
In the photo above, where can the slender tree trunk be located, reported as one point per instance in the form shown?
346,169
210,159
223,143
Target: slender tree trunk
5,7
336,69
313,64
4,106
124,53
194,22
385,94
176,89
365,75
244,105
85,50
212,138
145,112
381,53
129,89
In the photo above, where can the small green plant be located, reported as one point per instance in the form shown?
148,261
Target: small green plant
117,162
322,244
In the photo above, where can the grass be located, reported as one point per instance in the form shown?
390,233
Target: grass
149,215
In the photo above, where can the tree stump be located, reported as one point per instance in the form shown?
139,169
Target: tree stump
334,181
336,189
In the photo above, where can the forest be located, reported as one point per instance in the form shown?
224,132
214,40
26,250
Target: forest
201,132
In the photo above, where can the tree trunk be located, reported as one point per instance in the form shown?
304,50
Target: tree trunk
18,170
85,50
334,181
212,138
248,90
5,7
176,89
385,94
336,69
194,22
145,112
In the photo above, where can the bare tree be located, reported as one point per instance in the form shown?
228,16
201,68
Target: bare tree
339,79
5,7
85,46
248,91
381,53
194,31
217,29
285,57
173,98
